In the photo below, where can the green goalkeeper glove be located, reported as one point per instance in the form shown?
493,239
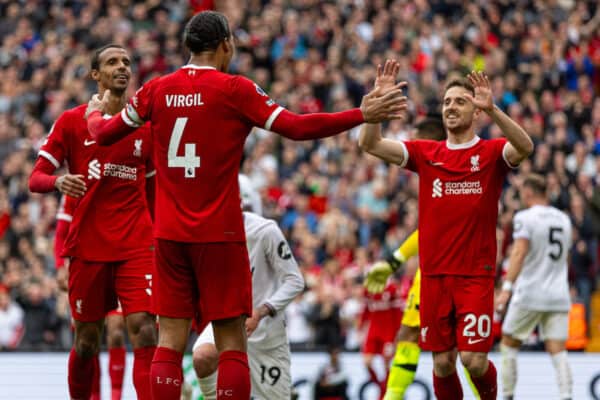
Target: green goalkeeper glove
379,273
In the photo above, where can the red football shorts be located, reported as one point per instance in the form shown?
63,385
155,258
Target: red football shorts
204,281
456,311
379,343
95,287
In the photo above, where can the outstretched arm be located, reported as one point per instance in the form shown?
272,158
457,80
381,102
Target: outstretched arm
108,131
520,145
376,106
370,139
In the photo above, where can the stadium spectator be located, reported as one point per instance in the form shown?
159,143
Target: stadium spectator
11,321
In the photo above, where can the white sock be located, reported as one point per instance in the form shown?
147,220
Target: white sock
563,374
208,385
509,369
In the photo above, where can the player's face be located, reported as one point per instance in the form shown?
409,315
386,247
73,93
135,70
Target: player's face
457,111
115,69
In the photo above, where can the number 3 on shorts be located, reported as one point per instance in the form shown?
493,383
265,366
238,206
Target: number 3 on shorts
483,325
189,161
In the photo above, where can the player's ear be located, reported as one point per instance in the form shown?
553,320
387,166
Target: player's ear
227,45
95,74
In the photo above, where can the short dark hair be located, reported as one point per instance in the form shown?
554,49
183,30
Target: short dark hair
535,182
95,61
431,128
205,31
460,82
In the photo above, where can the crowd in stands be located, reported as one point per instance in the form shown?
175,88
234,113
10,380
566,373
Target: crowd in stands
340,208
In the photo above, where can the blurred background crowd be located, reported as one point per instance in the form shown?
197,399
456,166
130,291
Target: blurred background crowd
340,209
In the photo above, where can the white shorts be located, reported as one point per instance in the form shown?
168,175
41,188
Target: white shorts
207,336
270,373
269,370
519,323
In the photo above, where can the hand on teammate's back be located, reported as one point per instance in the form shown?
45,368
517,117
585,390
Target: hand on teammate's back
71,185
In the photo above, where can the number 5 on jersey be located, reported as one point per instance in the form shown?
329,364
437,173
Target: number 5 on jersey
189,161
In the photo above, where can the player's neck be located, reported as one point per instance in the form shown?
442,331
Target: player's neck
538,202
461,137
116,102
204,60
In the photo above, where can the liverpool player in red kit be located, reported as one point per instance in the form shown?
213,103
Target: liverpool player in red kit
200,118
460,182
109,241
383,314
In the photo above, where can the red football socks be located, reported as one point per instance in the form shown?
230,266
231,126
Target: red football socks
487,384
96,382
166,374
372,374
233,381
447,388
81,376
116,368
142,362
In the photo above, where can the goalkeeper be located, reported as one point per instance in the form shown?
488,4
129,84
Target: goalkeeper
404,364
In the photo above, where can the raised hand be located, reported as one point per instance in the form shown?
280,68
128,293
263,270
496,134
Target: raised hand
483,98
379,105
386,75
71,185
98,103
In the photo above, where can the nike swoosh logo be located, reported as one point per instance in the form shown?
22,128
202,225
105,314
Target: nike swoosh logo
471,341
437,163
88,142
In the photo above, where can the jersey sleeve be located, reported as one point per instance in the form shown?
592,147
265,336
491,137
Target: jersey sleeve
412,155
138,110
521,228
499,148
280,257
55,148
254,104
409,248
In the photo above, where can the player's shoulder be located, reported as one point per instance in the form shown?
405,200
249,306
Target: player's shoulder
74,114
526,214
257,225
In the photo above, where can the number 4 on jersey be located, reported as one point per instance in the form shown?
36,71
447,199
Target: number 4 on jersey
189,161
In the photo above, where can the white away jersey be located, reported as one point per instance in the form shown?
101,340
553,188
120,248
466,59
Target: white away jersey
276,279
543,282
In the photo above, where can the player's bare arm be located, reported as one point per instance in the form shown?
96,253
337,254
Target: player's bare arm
370,139
515,264
520,145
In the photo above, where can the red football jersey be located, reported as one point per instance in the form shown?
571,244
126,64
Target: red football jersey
111,221
459,189
384,311
200,119
66,208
